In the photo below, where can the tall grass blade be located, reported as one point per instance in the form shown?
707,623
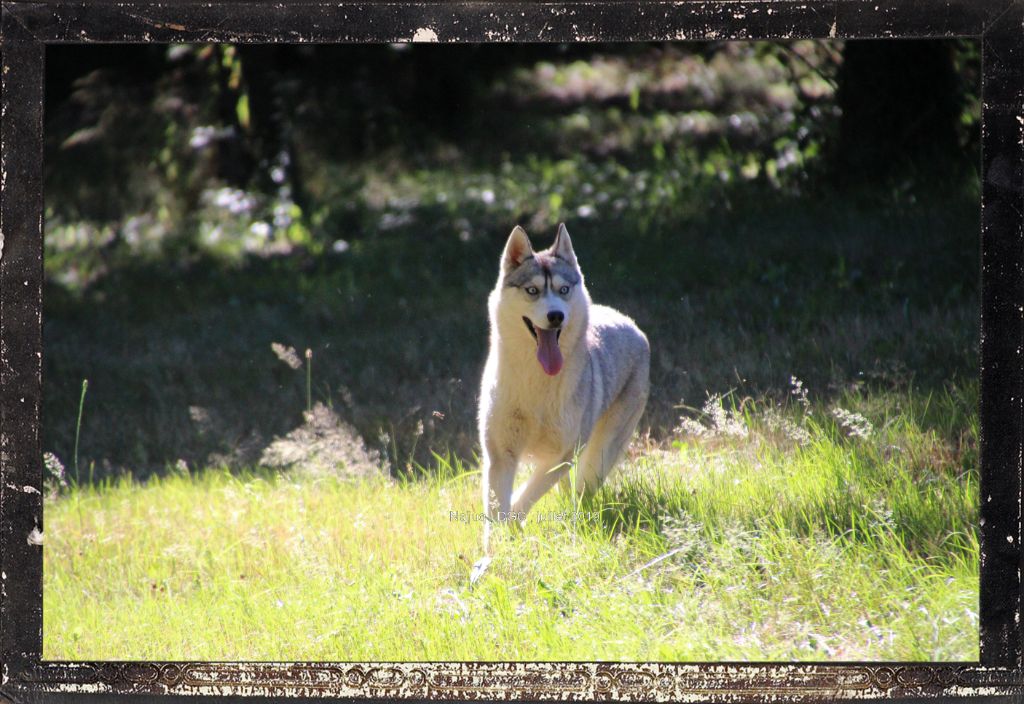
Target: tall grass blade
309,380
78,425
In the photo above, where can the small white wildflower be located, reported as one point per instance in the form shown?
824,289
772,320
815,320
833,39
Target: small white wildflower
288,355
854,424
689,426
798,391
260,229
790,155
54,471
53,464
198,414
719,421
234,200
881,514
777,422
282,215
390,221
724,422
211,235
202,136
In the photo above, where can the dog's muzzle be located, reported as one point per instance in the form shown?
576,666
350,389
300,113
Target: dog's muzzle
533,330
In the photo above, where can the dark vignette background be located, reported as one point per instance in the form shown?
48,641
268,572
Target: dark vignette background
1003,83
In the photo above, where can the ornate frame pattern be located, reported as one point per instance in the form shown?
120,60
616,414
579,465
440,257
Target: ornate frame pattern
27,27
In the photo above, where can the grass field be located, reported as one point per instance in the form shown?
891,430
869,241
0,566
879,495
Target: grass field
803,485
765,533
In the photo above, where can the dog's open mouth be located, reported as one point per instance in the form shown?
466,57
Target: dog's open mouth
548,353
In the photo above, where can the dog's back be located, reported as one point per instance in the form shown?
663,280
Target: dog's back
617,356
619,360
617,348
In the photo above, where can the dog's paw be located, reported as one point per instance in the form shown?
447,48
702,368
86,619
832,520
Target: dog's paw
479,567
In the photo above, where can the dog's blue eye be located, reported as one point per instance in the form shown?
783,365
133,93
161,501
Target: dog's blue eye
532,290
564,290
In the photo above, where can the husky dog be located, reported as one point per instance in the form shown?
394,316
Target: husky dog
561,374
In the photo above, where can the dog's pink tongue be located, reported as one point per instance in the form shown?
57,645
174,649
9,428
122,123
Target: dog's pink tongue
548,354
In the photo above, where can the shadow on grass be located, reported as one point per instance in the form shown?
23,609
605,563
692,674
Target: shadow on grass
742,296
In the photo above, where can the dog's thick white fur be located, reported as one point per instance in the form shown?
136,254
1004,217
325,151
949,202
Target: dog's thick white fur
562,375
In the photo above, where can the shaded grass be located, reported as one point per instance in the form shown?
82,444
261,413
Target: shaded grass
725,304
688,176
716,548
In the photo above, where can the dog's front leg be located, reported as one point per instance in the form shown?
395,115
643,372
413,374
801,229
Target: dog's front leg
497,486
547,474
498,477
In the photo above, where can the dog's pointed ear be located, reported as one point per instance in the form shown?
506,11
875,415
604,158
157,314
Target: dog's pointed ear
517,249
563,245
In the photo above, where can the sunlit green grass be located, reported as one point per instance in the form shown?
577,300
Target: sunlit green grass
739,541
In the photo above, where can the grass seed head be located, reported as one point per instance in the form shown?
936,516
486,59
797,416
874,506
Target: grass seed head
853,424
288,355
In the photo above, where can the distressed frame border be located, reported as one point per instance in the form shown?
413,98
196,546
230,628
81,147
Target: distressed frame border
27,27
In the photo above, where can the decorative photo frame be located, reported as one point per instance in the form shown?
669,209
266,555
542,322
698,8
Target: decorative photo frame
28,27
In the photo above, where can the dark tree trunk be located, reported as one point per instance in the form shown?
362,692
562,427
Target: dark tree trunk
901,103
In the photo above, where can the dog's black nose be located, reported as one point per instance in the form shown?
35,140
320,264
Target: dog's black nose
556,317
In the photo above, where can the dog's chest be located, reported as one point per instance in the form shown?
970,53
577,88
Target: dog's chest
543,422
536,433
